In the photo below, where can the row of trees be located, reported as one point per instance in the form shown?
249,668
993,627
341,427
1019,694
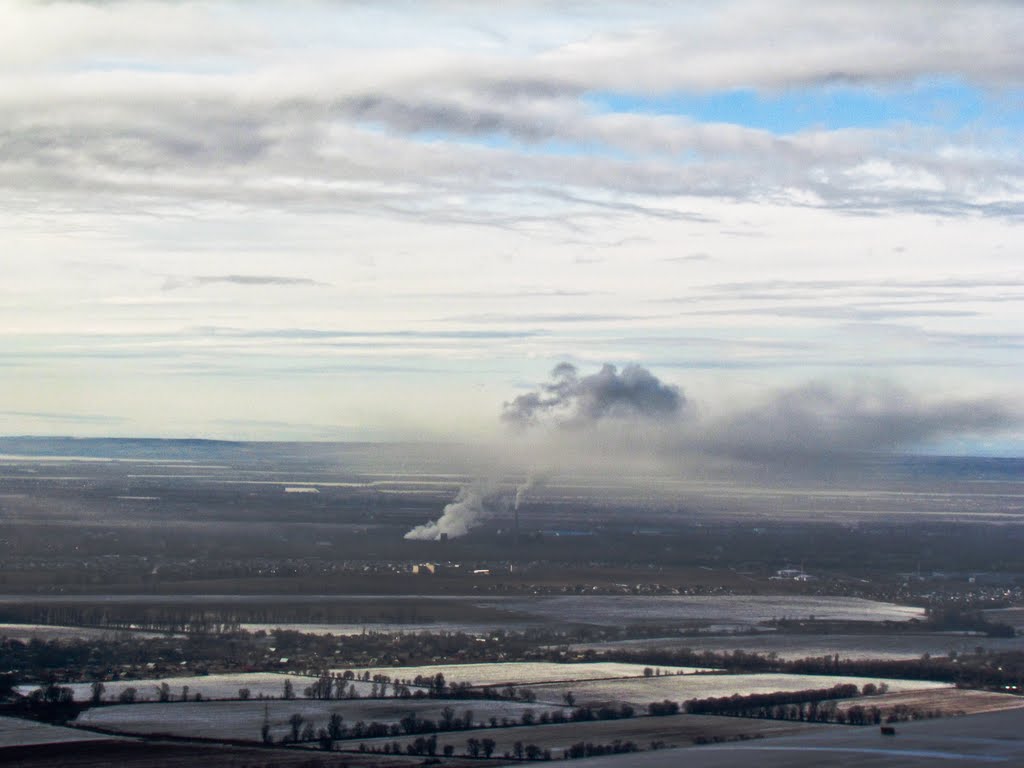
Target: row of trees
763,705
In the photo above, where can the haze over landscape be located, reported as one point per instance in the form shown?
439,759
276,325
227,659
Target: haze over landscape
594,378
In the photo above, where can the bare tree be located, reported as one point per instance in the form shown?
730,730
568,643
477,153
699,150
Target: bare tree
296,721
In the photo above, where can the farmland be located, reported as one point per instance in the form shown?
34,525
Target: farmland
982,739
260,685
947,701
242,720
251,586
18,732
800,646
523,673
729,610
673,731
640,691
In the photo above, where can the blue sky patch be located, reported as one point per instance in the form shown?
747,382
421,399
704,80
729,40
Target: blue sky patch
946,104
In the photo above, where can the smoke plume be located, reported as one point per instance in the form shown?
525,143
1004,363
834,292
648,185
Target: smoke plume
531,482
470,508
627,423
574,402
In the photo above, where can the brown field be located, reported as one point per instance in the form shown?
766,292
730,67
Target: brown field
948,701
676,730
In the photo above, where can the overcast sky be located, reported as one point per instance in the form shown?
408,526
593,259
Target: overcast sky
344,220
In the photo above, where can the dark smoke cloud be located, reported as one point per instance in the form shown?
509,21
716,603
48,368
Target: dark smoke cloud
571,401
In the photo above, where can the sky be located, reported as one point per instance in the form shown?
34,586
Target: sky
341,220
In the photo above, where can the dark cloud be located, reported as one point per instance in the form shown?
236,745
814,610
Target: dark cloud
571,401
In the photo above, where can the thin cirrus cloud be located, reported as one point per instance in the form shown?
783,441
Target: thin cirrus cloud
174,283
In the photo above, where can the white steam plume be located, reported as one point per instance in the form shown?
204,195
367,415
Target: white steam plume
469,509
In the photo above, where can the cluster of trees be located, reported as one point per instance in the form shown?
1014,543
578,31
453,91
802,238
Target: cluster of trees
603,712
485,748
451,720
953,618
52,702
337,730
587,749
663,708
475,748
902,713
773,705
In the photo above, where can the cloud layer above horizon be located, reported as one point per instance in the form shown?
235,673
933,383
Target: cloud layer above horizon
382,220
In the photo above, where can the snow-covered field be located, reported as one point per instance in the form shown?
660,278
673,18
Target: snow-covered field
244,719
521,672
15,732
786,646
680,688
265,684
25,632
732,610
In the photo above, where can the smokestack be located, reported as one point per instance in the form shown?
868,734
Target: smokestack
531,482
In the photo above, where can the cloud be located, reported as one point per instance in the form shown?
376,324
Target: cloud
418,129
173,283
574,402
